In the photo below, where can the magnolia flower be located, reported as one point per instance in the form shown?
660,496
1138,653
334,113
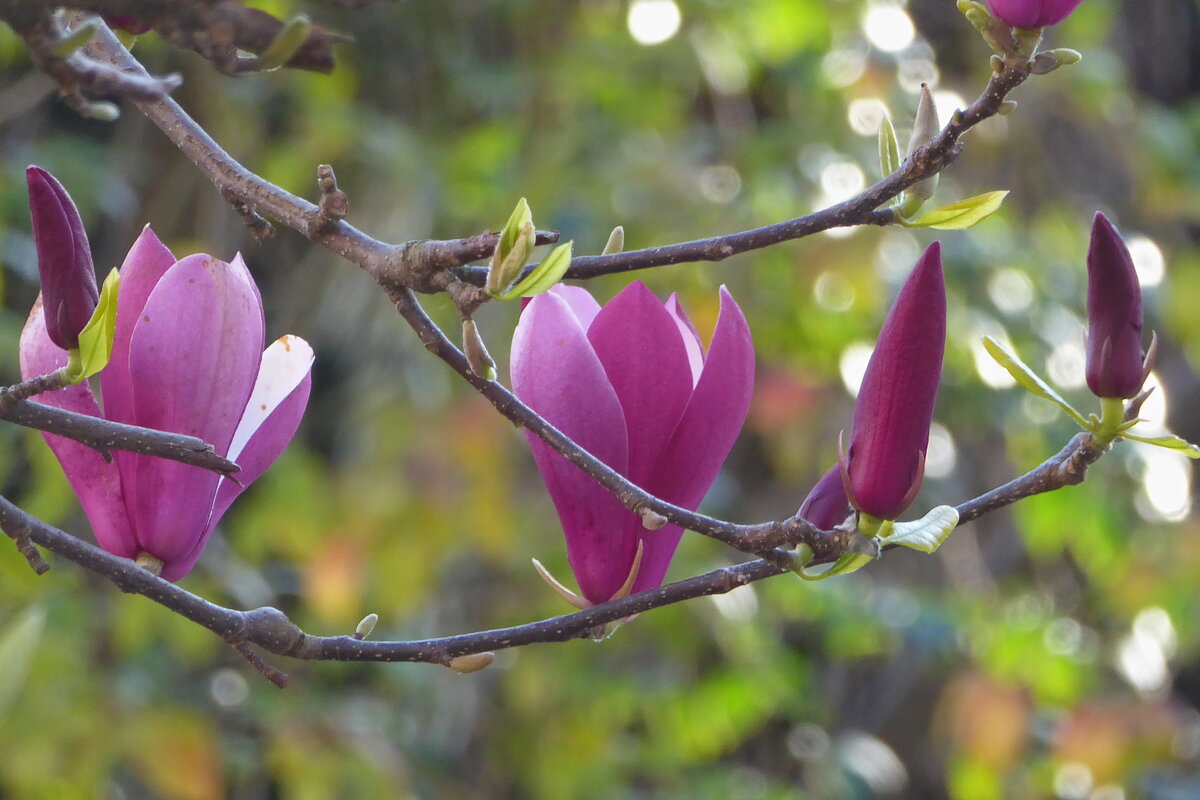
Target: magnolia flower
188,359
1032,13
1115,358
883,467
631,384
69,292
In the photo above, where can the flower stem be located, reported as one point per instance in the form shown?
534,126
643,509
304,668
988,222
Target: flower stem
1112,418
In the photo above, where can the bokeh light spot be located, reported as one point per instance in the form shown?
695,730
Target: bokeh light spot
653,21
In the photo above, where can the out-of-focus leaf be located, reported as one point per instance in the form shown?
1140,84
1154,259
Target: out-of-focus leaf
889,149
18,642
1029,380
1168,442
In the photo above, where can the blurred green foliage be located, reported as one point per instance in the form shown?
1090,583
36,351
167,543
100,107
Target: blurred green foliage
1048,651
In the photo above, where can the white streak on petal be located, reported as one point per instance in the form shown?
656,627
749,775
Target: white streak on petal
284,365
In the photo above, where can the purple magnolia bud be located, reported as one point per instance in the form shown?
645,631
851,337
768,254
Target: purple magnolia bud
127,22
632,385
187,358
826,505
882,470
69,292
1115,358
1032,13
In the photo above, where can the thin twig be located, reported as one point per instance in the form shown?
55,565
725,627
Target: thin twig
11,395
416,264
103,435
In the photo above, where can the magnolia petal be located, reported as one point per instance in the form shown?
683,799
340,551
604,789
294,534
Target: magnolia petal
145,264
1032,13
643,354
556,372
272,416
264,447
96,482
706,433
691,337
193,359
581,302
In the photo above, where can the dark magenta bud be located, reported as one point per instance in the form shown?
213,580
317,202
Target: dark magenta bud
69,292
127,22
1032,13
1115,358
826,505
882,470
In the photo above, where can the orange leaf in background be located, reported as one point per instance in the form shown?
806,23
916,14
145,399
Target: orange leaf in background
989,721
333,580
1100,739
178,756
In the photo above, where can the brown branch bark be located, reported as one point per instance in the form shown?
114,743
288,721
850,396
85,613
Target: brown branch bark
100,434
270,629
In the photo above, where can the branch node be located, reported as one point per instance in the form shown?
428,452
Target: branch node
18,531
331,208
265,668
260,229
271,629
26,547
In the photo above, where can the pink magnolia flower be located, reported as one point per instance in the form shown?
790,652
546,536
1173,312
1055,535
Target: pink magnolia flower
188,358
69,292
1115,358
883,467
1032,13
631,384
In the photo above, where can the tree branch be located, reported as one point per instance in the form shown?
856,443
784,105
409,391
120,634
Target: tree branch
102,436
272,631
426,265
863,209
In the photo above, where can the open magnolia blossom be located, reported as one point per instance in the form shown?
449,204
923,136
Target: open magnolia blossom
187,358
1032,13
631,384
883,467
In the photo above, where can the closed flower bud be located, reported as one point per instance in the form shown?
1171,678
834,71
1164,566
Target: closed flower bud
1115,358
1032,13
883,467
69,291
826,505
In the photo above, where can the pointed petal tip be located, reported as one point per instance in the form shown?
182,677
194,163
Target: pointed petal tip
933,254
